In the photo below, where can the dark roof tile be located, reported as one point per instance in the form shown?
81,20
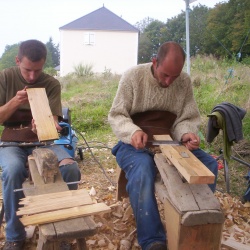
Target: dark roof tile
100,19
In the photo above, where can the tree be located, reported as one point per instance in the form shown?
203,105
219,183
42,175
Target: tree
150,40
143,24
145,46
53,58
8,58
197,24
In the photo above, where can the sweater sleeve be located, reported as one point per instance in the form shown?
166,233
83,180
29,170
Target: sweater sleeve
119,114
188,116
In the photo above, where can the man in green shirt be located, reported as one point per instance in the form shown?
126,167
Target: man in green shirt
19,126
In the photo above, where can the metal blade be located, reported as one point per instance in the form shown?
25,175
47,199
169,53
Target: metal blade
168,142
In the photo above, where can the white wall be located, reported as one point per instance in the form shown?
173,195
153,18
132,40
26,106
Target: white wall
117,51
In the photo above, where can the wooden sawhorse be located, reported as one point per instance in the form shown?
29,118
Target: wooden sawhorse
193,216
51,234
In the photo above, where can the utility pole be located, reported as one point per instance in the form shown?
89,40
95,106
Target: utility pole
187,34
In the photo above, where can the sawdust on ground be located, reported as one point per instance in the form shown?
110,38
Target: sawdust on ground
117,230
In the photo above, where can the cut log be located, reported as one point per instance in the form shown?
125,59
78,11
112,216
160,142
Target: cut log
47,163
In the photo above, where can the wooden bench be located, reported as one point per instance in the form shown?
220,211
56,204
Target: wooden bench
52,234
193,216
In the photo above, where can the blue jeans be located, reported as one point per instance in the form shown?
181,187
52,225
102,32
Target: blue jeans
13,161
140,170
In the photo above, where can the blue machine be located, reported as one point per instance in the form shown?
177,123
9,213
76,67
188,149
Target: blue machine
68,139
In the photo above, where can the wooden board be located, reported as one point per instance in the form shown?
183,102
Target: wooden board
64,214
45,203
191,168
42,115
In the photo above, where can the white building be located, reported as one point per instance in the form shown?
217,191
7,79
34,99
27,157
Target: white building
101,39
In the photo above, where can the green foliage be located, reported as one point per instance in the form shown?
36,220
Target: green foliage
83,70
53,54
51,71
8,58
222,31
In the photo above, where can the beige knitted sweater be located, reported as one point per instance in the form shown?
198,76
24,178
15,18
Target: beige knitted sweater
138,91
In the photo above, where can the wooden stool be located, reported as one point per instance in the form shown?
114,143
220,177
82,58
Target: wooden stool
51,234
194,219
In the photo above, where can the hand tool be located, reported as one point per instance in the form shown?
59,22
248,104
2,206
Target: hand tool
167,142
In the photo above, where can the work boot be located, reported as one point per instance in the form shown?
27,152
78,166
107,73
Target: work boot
15,245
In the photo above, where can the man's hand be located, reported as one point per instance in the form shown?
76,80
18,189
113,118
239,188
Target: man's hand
190,141
33,126
21,96
139,139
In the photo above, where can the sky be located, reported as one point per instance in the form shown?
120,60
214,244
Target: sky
41,19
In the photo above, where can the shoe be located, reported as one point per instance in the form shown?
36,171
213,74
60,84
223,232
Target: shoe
15,245
157,246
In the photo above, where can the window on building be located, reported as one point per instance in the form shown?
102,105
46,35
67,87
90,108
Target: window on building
89,38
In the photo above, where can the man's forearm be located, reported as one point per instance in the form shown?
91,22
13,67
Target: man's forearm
7,110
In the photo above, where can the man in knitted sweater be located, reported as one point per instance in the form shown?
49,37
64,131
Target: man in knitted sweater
161,90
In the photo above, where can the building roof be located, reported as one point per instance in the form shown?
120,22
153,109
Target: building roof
100,19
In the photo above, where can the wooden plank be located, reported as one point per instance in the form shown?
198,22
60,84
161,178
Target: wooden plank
52,196
179,192
42,115
72,230
64,214
56,204
191,168
204,197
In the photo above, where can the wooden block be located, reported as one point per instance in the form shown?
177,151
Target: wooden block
47,163
191,168
42,115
